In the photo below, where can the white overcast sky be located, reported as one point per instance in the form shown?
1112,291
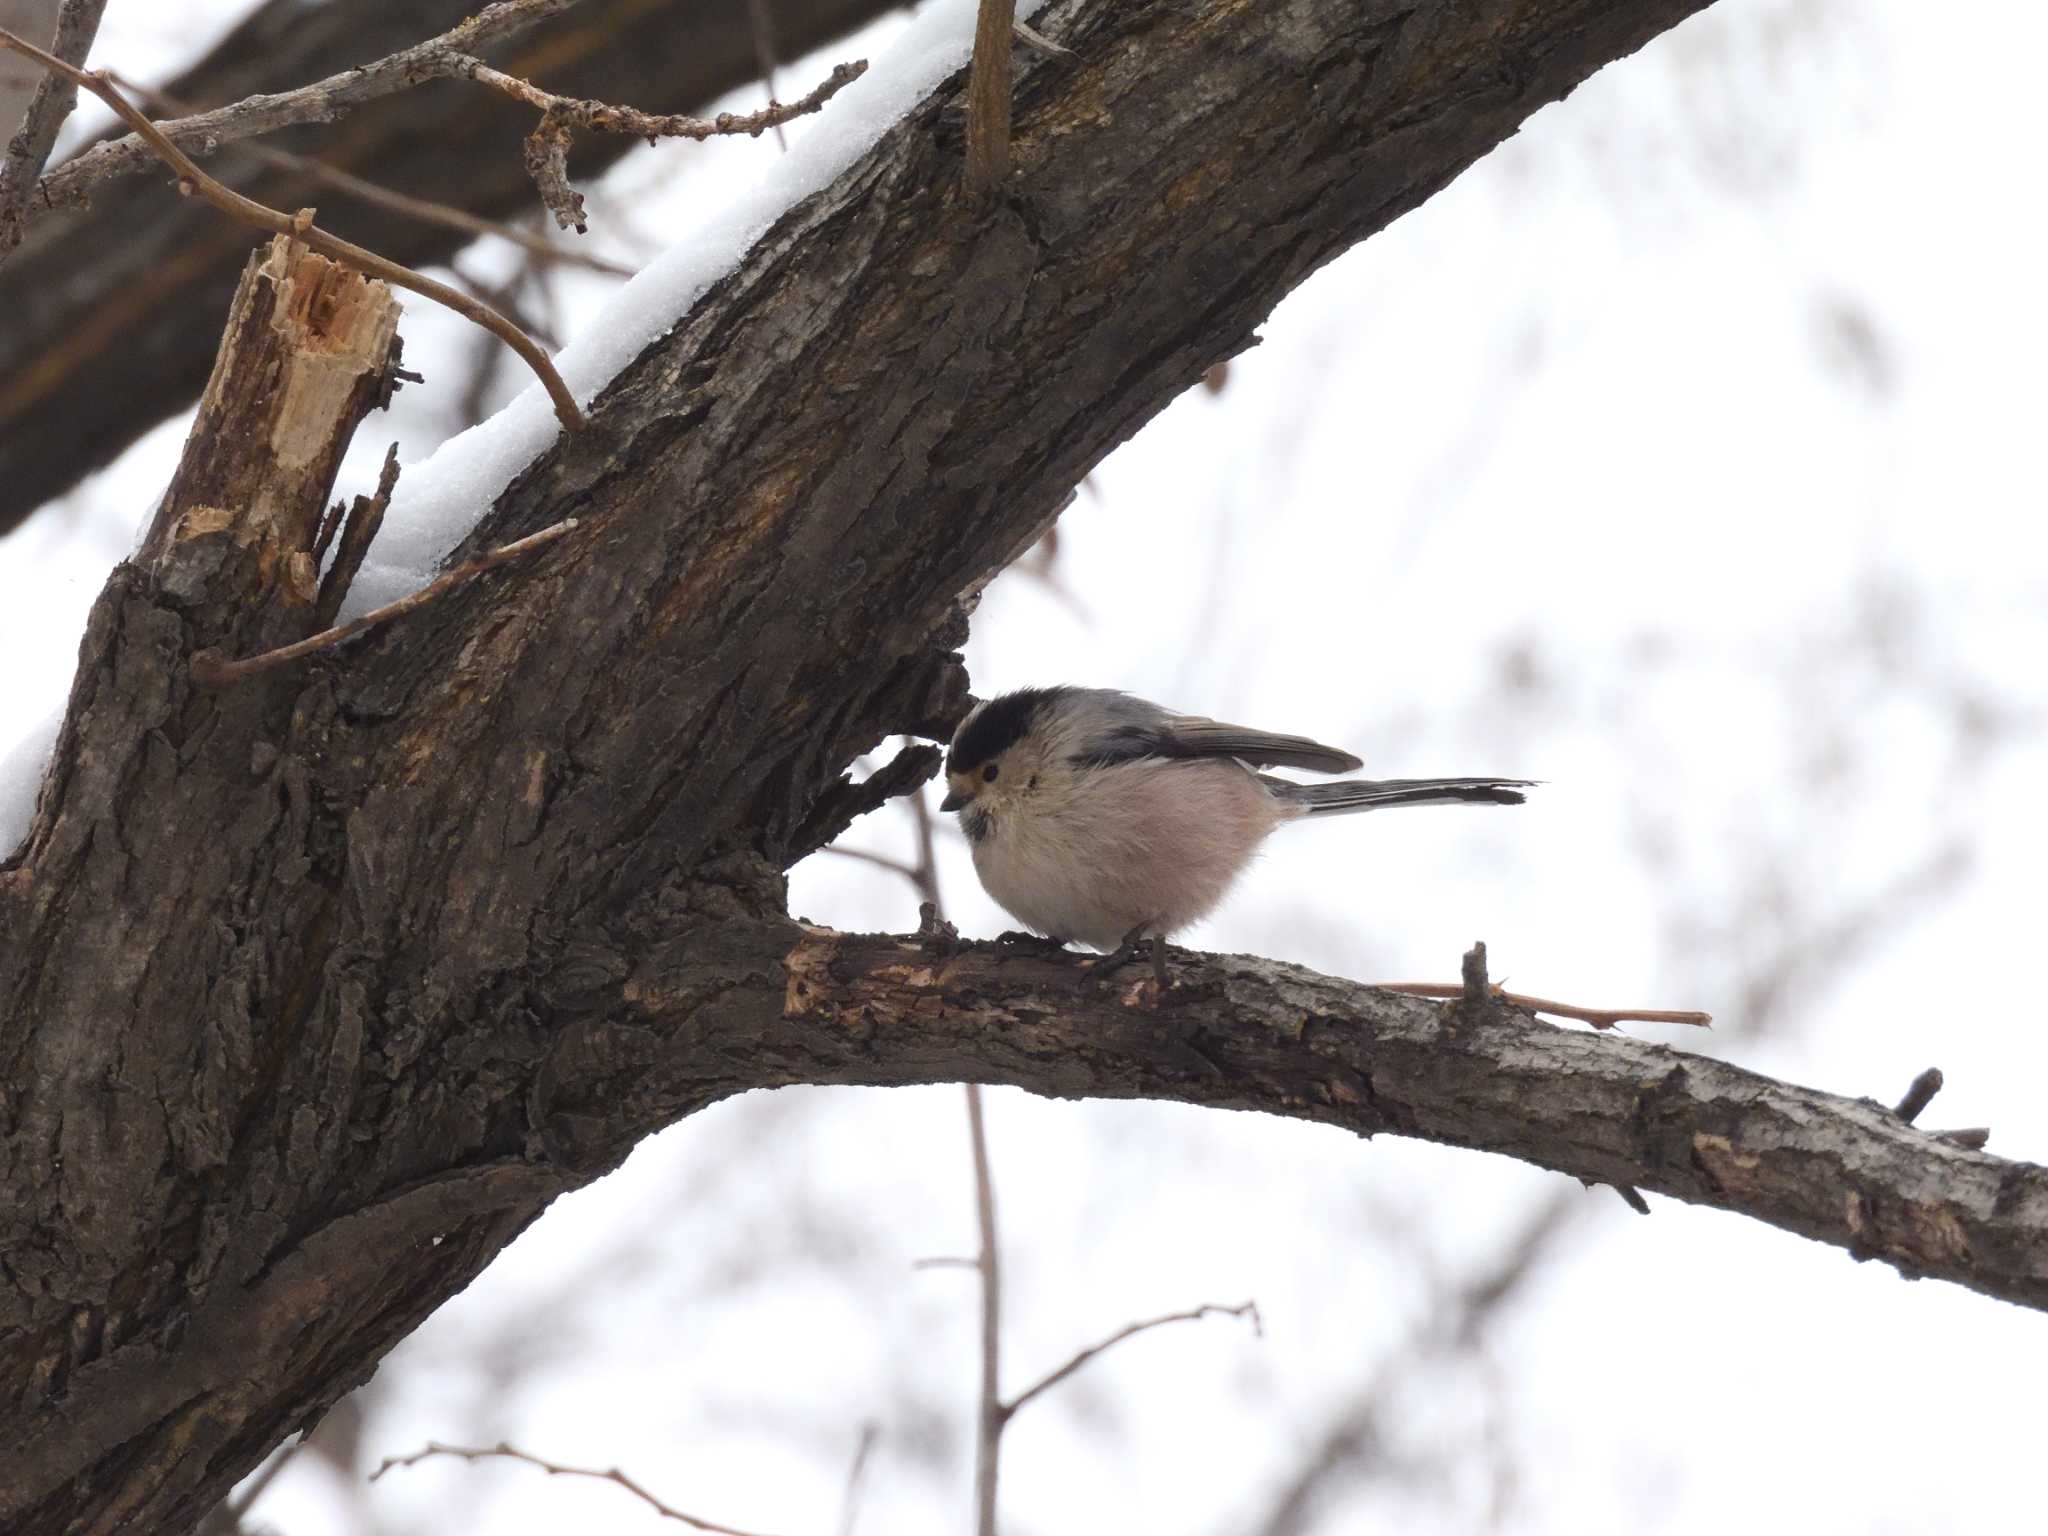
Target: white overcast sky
1684,455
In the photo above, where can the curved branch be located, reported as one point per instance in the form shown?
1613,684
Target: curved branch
302,228
113,311
1240,1032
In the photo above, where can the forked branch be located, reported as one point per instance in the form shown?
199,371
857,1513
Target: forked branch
301,227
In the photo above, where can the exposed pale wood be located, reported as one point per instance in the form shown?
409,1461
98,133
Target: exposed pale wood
308,352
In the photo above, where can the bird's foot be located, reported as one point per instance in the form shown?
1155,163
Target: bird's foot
1126,952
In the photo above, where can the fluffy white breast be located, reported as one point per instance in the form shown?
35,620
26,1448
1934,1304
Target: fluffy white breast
1152,842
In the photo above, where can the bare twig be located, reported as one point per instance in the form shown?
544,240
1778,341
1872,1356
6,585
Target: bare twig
27,151
1919,1095
424,209
1599,1018
1974,1137
562,117
556,1469
209,669
445,57
849,1502
1032,38
992,1415
225,1519
1360,1438
1247,1309
988,97
761,27
365,518
881,860
192,179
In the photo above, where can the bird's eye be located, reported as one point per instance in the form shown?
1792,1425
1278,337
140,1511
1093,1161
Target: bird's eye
988,774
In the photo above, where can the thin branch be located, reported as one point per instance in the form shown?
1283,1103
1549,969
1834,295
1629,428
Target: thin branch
992,1415
881,860
78,23
424,209
365,517
1247,1309
301,227
445,57
1036,40
557,1469
225,1518
761,28
1599,1018
562,117
849,1501
210,670
988,97
1356,1442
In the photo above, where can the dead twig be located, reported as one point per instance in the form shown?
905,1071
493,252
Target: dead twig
424,209
211,670
1599,1018
78,23
562,117
849,1501
1246,1309
301,227
365,518
880,860
991,1416
438,58
988,97
761,28
557,1469
1034,39
1919,1095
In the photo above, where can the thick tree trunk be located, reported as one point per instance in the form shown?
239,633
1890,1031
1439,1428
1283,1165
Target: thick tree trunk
315,990
108,317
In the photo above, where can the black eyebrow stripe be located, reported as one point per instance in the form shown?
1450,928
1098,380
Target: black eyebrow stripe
998,725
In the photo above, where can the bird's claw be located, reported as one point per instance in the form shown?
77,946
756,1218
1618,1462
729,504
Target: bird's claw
1099,969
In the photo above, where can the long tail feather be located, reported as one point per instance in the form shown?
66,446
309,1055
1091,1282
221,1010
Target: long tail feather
1377,794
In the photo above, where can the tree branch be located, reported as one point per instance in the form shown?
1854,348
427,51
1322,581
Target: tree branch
558,1469
114,310
1240,1032
78,22
989,90
301,227
1246,1309
446,57
504,891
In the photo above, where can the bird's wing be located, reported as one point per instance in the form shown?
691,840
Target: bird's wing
1195,736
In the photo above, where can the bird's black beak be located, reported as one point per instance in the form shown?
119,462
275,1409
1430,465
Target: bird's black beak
955,800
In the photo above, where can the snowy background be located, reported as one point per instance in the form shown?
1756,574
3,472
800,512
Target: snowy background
1681,455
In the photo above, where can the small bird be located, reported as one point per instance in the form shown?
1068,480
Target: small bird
1100,818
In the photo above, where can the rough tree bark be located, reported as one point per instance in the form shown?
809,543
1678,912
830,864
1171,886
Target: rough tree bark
314,991
108,319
